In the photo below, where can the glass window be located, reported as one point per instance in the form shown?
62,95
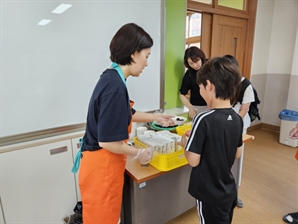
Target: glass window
195,25
193,29
203,1
235,4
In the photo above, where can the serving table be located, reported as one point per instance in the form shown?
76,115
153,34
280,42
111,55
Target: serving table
152,196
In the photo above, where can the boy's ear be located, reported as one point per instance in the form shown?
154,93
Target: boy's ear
209,86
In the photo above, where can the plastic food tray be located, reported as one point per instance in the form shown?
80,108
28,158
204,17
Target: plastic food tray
163,128
165,162
183,128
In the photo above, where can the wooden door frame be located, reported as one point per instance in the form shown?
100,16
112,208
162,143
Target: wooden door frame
249,13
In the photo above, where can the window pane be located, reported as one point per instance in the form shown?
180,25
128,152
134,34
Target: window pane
196,44
195,25
187,26
235,4
203,1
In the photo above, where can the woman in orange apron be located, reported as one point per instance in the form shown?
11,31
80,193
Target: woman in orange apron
110,113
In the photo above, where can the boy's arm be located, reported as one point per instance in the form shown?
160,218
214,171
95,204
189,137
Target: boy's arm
192,158
238,152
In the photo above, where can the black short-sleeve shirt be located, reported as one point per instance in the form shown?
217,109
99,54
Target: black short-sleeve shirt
109,112
189,83
215,135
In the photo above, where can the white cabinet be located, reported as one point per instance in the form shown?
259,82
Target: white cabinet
75,148
1,214
37,185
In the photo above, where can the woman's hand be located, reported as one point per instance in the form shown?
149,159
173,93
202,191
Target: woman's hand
294,132
192,112
144,155
164,120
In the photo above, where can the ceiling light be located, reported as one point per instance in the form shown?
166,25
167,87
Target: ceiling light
44,22
61,8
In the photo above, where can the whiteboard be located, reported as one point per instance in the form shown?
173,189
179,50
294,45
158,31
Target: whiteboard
48,72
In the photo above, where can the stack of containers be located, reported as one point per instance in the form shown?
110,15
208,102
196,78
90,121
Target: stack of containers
163,142
168,154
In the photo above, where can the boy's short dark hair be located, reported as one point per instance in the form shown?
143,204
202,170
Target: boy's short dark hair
195,54
232,59
224,75
128,39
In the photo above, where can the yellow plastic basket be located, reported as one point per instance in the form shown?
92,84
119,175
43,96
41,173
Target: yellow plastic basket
165,162
183,128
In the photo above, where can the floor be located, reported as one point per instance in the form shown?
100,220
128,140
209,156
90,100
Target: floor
269,187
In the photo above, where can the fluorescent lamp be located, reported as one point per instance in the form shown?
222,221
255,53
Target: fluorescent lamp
61,8
44,22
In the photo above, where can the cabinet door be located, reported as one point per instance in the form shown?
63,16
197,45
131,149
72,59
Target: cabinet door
75,148
37,185
1,214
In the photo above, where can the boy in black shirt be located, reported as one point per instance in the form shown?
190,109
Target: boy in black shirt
215,142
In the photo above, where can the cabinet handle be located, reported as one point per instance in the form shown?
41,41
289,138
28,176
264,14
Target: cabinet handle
78,145
58,150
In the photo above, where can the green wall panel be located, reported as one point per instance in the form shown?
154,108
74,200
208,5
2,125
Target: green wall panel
174,51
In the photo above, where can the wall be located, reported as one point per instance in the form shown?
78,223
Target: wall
174,51
273,55
292,103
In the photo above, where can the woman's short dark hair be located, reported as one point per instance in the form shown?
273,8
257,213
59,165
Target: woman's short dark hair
195,54
224,75
128,39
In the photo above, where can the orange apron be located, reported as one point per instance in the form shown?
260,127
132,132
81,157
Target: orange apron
101,185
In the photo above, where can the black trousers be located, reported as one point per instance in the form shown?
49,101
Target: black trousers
216,214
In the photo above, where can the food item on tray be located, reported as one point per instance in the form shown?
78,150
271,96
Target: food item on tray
178,120
160,126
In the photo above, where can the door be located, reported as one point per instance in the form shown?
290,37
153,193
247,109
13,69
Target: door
229,37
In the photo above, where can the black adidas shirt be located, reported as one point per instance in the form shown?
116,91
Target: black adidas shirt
215,135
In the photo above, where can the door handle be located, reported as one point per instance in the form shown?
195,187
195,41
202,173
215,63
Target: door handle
235,46
58,150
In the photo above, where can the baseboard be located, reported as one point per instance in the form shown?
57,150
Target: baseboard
254,127
268,127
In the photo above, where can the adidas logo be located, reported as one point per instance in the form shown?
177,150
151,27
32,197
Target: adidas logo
230,118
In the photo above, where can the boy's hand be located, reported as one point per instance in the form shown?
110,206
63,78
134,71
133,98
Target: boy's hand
183,141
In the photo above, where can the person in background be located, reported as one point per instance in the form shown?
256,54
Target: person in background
194,58
292,217
109,119
215,142
245,97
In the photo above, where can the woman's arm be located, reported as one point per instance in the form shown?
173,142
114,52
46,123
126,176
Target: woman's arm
244,109
119,148
163,119
186,103
142,155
